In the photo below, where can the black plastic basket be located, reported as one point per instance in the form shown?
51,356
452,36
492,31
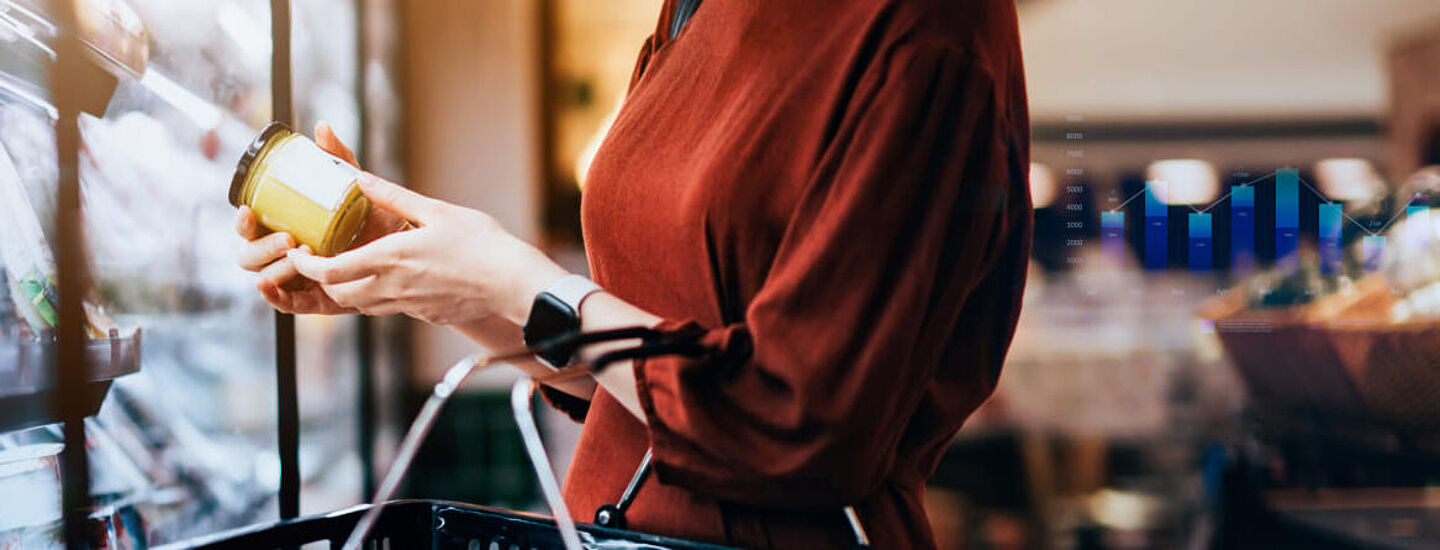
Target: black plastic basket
436,525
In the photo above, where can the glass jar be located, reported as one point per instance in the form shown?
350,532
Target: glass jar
294,186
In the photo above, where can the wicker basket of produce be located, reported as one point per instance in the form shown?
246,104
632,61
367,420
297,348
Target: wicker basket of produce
1393,359
1279,344
1354,351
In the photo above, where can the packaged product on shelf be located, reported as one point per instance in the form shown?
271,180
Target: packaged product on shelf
29,267
33,471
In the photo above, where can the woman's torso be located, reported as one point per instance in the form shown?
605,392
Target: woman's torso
691,194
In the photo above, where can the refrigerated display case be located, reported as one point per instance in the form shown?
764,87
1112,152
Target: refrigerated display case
180,433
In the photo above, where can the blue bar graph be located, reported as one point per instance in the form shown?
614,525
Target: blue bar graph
1329,235
1242,229
1156,231
1201,249
1112,236
1372,250
1329,229
1287,218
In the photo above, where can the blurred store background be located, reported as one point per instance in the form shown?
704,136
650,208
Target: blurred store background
1228,338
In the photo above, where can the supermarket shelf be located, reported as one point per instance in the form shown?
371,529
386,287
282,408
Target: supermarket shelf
26,393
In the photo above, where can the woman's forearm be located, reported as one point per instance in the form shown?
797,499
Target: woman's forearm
600,311
499,335
604,311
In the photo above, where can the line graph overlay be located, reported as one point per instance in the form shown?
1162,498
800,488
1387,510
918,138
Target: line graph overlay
1217,202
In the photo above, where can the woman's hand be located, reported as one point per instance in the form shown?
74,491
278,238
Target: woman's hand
279,283
457,266
264,252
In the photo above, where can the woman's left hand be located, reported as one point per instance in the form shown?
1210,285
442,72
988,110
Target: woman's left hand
456,266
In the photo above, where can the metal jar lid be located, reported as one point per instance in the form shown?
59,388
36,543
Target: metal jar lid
242,169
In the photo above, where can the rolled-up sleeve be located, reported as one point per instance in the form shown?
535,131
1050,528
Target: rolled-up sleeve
804,401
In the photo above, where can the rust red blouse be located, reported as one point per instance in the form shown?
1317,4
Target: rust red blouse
835,190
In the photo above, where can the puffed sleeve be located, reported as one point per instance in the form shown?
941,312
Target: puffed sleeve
911,205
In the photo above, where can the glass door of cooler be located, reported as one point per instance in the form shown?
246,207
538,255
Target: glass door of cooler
154,173
324,60
182,348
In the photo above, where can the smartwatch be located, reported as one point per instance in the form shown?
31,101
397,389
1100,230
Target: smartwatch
556,313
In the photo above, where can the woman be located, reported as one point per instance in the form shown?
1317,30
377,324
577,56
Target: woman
832,193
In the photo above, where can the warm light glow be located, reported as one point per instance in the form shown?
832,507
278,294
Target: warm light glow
1121,510
1189,181
1042,185
1348,179
587,155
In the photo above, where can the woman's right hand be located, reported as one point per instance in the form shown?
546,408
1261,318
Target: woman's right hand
264,252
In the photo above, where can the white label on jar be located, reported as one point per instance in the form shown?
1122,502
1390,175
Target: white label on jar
310,171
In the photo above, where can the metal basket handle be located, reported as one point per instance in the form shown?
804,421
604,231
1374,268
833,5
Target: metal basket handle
521,404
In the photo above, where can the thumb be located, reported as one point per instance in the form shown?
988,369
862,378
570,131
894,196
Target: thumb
325,137
414,207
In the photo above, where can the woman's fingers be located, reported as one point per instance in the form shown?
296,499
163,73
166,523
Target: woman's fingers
358,294
314,300
261,252
310,301
305,298
408,204
246,224
363,296
348,266
325,137
272,294
280,274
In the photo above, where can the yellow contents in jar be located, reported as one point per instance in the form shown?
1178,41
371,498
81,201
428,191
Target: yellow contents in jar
294,187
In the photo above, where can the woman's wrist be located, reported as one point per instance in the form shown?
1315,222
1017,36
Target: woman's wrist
532,280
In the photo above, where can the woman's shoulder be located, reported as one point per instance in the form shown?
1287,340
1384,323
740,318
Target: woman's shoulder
981,32
977,33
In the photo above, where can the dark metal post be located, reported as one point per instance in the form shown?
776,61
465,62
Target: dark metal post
364,325
71,371
287,393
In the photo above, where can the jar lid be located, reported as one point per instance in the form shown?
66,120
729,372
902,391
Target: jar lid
242,169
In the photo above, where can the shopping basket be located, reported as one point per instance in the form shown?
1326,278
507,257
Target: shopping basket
435,525
439,525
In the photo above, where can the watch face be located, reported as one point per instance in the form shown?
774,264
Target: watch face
551,318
